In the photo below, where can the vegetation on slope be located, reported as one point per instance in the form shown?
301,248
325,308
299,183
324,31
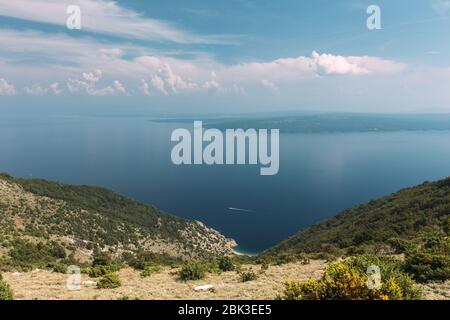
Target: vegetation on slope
413,223
5,290
405,219
44,223
349,280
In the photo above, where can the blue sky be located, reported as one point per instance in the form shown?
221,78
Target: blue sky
227,56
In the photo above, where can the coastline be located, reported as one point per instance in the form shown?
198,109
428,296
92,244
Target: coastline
240,251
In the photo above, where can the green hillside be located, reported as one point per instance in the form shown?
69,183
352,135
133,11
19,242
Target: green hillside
409,216
42,222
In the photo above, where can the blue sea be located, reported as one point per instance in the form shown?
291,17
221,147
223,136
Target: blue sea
320,174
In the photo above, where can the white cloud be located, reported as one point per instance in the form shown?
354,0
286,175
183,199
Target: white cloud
93,76
106,17
118,86
6,89
67,58
270,85
212,84
145,88
328,64
158,83
441,6
36,90
55,88
302,67
88,85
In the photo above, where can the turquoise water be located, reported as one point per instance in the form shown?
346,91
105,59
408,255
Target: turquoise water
320,174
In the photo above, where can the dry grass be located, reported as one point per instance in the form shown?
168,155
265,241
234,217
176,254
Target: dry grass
52,286
45,285
437,291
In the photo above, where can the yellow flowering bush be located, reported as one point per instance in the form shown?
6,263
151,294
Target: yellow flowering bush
349,280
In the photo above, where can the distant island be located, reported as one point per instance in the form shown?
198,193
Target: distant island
326,122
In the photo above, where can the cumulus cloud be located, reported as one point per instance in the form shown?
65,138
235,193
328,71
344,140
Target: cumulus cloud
158,83
212,84
88,85
302,67
270,85
55,88
328,64
128,64
36,90
118,86
6,88
145,88
92,76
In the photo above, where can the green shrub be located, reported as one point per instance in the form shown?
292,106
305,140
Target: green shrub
102,259
100,270
143,259
57,267
5,290
248,275
348,280
192,271
109,281
264,266
149,270
127,298
26,255
399,245
303,258
102,265
284,258
425,265
429,260
226,264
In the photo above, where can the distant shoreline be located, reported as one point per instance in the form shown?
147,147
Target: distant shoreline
238,250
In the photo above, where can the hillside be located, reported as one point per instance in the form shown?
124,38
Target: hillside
407,217
42,222
128,250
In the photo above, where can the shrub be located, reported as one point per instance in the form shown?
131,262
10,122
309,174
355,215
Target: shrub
192,271
303,259
102,265
248,275
149,270
109,281
101,259
399,245
226,264
57,267
5,290
425,265
143,259
348,280
284,258
26,255
264,266
99,271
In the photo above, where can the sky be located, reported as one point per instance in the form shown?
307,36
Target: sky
234,56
